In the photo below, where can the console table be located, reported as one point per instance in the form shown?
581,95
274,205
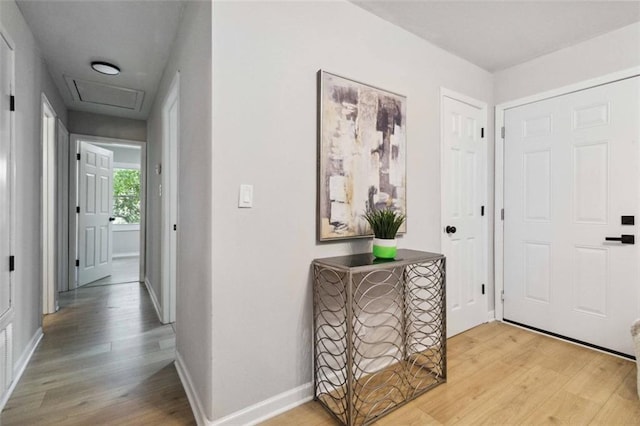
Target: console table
379,332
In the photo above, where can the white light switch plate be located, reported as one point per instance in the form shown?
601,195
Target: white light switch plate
245,200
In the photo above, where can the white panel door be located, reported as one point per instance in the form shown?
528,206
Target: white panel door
94,221
6,67
571,173
463,243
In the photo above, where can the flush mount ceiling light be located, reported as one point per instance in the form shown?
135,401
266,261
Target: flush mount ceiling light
105,68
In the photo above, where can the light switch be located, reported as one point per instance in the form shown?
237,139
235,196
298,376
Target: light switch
245,200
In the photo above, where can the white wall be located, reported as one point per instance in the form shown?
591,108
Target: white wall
191,55
266,55
615,51
31,79
86,123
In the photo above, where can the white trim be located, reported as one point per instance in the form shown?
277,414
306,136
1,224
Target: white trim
271,407
484,197
48,143
491,317
128,166
169,203
192,395
75,139
129,254
154,298
126,227
499,165
21,365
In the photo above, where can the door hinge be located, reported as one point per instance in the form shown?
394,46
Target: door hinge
482,133
502,295
77,262
77,209
502,132
502,214
12,103
12,263
175,227
78,156
482,288
481,210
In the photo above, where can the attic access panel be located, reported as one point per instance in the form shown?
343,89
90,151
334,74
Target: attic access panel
91,92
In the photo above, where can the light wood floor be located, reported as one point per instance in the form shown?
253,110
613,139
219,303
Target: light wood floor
500,374
123,270
105,359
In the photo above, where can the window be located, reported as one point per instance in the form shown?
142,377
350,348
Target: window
126,196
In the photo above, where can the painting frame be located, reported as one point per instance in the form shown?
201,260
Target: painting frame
361,155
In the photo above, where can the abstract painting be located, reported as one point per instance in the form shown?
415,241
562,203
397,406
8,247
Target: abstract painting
362,155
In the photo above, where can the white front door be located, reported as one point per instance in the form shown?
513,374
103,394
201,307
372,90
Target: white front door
6,60
463,189
571,180
95,221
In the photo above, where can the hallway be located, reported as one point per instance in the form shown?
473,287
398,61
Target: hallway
104,359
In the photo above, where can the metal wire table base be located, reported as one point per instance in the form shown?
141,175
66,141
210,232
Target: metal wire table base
380,333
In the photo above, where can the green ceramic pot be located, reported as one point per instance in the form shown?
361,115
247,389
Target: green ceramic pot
385,249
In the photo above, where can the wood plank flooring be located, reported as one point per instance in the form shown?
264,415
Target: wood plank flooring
501,374
105,359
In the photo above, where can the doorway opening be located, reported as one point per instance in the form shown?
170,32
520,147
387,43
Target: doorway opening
109,203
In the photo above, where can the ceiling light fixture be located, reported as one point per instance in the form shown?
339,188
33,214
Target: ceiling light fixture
105,68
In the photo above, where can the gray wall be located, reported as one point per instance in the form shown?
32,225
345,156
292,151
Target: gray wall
266,56
86,123
191,54
31,79
615,51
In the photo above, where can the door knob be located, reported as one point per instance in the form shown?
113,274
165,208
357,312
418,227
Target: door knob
450,229
624,239
111,219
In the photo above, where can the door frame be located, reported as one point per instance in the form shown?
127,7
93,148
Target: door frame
483,107
48,206
7,318
499,167
169,179
75,139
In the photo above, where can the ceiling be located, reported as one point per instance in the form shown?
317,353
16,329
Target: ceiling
134,35
499,34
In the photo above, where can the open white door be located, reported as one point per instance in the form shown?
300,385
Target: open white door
94,220
463,194
170,140
572,179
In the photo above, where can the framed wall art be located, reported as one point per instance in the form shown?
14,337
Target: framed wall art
362,155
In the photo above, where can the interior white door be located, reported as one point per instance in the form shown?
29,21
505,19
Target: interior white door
463,189
95,221
5,175
571,174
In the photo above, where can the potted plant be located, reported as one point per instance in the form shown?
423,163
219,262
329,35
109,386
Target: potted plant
384,224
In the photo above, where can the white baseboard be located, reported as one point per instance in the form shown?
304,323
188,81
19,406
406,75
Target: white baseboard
21,365
154,298
491,316
268,408
123,255
187,384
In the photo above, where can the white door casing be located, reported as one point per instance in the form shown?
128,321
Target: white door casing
463,204
572,170
94,224
6,178
169,194
48,197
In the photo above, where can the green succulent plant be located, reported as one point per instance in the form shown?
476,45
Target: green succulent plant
384,222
